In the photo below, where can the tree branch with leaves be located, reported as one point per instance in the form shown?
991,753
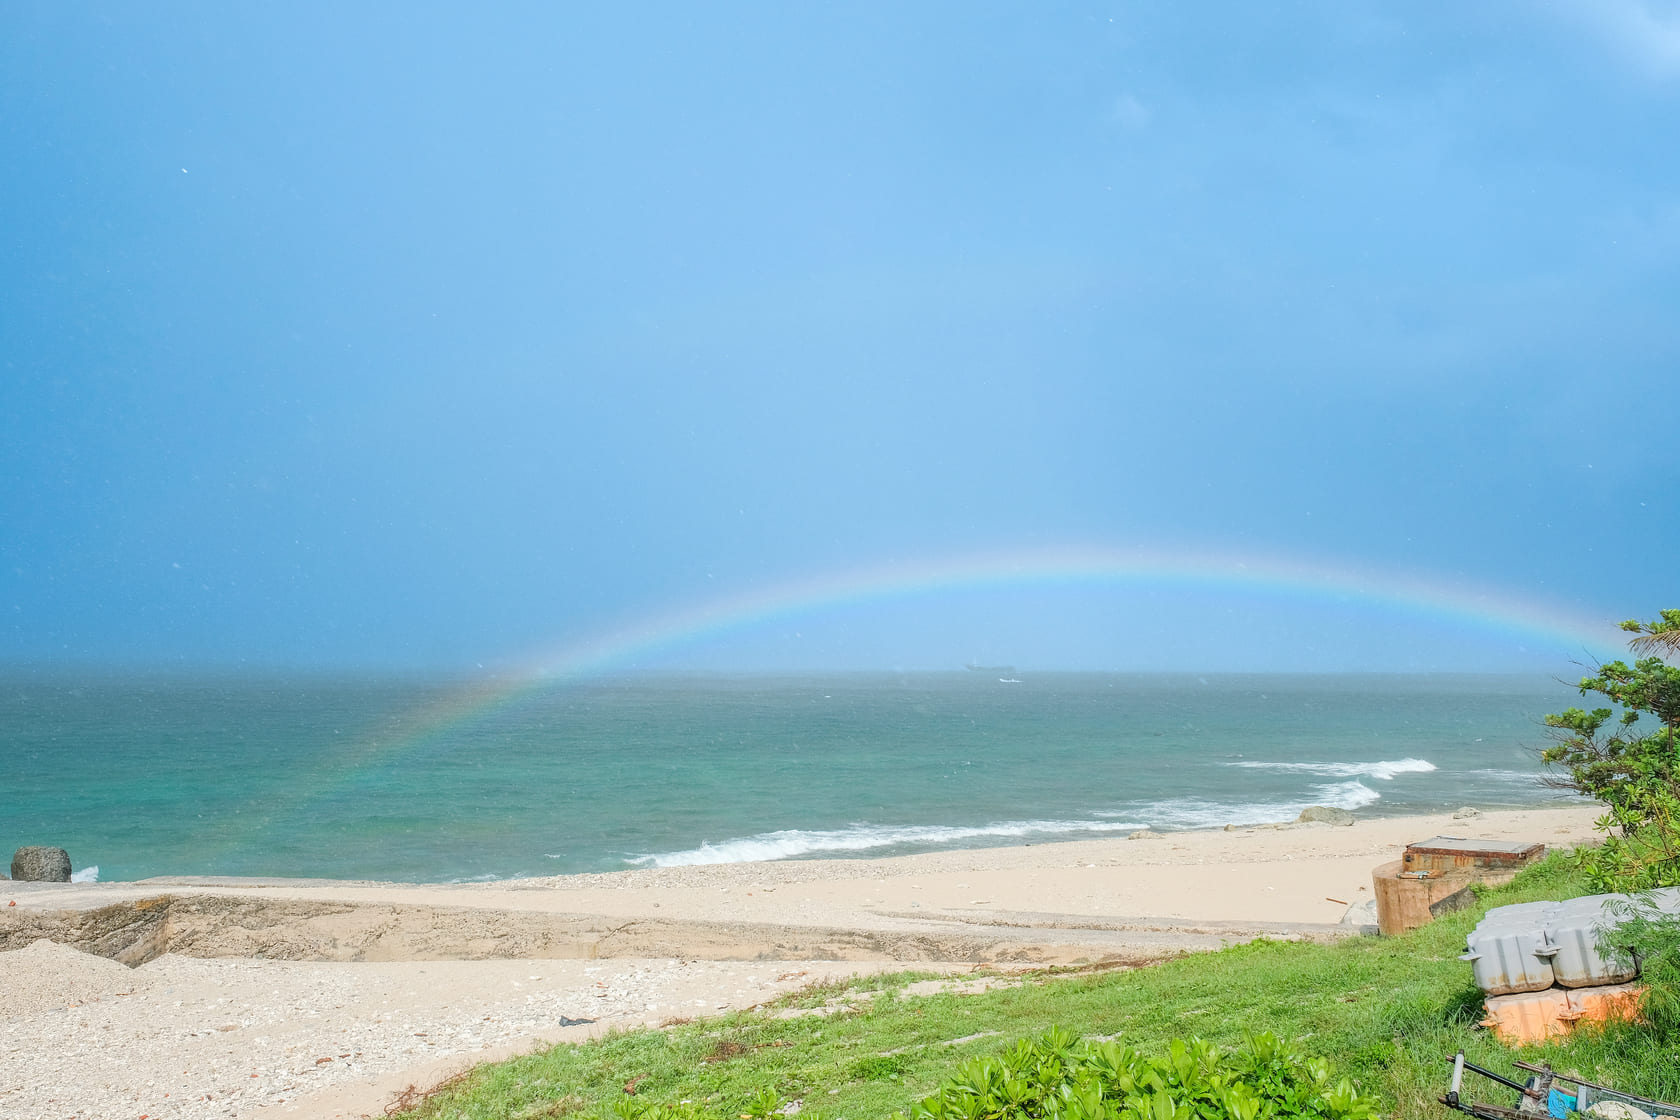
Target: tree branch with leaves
1629,761
1661,636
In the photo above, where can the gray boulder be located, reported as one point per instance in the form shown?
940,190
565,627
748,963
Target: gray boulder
1361,913
1469,812
1324,813
41,865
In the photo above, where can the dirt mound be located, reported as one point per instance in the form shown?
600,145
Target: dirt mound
45,976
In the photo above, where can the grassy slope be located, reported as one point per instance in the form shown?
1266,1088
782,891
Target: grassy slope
1385,1011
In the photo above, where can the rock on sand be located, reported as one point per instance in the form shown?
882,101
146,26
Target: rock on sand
41,865
1325,813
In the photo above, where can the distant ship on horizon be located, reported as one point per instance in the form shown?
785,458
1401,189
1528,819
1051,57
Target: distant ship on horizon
1001,670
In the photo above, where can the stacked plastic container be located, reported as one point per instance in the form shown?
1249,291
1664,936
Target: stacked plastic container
1540,966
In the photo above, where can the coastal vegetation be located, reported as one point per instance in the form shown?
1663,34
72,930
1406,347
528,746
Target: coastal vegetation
1061,1075
1627,758
1385,1013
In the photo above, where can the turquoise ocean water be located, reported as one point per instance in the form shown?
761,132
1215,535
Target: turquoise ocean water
348,778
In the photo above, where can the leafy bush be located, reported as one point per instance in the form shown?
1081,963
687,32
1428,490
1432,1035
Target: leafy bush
1631,765
1059,1077
765,1106
1652,937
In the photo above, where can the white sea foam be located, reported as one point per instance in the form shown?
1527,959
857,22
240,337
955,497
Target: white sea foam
1348,795
1196,812
1510,777
1384,770
1182,813
789,843
86,875
1179,813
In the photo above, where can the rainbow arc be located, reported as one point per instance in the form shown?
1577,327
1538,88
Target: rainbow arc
1431,600
1453,606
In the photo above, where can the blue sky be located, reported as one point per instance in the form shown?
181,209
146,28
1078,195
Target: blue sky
407,336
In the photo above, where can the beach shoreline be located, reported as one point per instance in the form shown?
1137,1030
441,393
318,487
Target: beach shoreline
355,988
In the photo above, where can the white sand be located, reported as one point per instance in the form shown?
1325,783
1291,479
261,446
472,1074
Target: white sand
186,1037
180,1036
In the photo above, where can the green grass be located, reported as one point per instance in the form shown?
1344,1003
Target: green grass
1387,1012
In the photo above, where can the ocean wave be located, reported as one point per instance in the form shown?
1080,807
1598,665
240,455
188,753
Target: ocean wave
1175,815
86,875
1383,770
1348,795
1513,777
793,842
1196,812
1172,814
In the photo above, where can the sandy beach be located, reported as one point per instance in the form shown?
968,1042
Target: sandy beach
241,998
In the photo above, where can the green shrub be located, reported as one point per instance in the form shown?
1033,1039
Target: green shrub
1652,937
764,1107
1629,762
876,1067
1059,1077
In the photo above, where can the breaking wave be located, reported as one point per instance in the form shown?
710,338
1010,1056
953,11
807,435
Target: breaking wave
1198,812
792,843
1386,771
1510,777
1171,814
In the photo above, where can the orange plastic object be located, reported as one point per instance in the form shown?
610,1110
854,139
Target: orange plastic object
1538,1016
1529,1016
1607,1001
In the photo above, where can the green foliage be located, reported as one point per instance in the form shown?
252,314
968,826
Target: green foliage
1630,763
1662,634
635,1108
876,1067
1651,936
765,1105
1058,1077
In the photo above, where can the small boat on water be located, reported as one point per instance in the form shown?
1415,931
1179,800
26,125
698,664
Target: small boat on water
1549,1095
